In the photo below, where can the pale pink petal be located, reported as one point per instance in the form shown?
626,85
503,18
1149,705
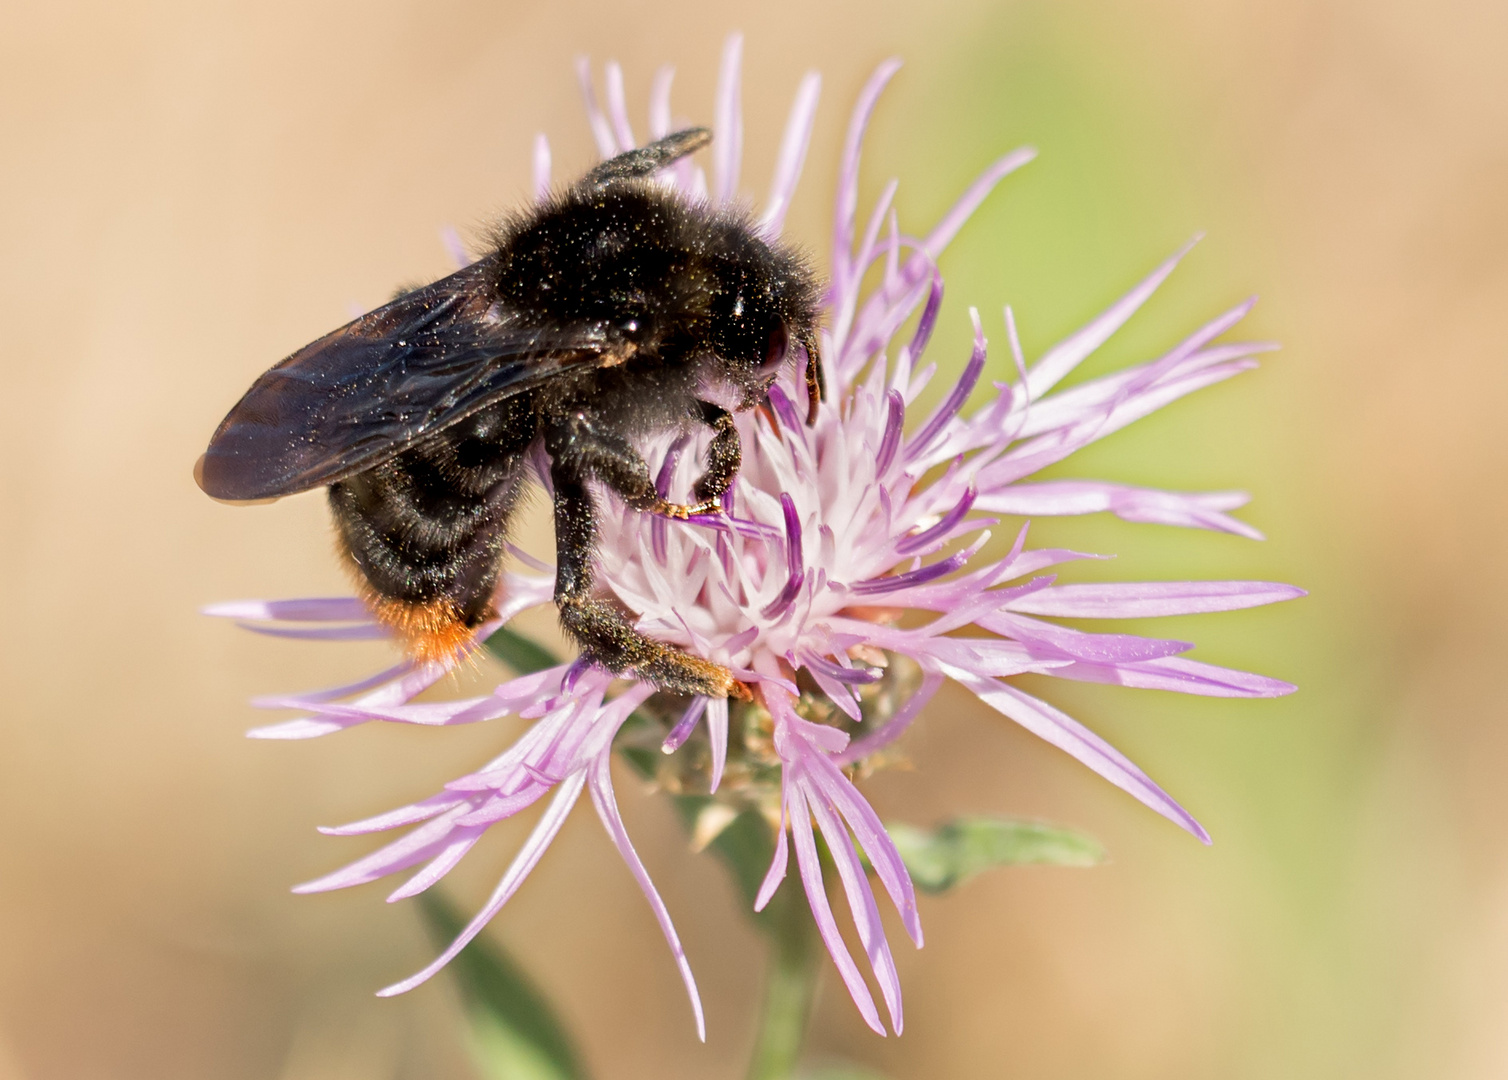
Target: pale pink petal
607,810
414,846
1181,675
793,147
659,102
827,927
943,232
1068,354
406,815
1052,498
848,173
541,167
602,131
1140,600
617,107
727,145
717,735
839,793
461,841
524,862
1067,734
895,727
451,240
319,609
866,914
776,873
359,632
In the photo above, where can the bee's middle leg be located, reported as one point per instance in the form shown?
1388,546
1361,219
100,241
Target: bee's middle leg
610,458
605,636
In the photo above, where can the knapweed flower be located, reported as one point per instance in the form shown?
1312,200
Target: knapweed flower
845,582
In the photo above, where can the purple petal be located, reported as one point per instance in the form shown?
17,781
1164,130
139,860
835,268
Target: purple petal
846,299
891,440
524,862
429,714
956,397
382,678
607,810
685,726
928,320
938,534
837,672
1136,600
740,641
1067,734
793,561
1089,399
737,526
785,409
921,575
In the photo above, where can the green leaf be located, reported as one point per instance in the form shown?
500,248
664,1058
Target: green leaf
522,654
959,849
841,1071
514,1033
745,843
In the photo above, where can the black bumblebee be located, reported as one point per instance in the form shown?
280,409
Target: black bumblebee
612,309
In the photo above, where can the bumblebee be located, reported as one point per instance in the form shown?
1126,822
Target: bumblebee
614,309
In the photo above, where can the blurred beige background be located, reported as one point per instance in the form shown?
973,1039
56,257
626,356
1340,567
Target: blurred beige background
190,191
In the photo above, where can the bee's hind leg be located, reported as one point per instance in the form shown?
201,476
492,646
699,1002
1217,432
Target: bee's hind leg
605,636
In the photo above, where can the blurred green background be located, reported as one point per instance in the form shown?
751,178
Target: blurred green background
191,191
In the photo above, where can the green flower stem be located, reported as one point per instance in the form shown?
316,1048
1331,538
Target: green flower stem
790,986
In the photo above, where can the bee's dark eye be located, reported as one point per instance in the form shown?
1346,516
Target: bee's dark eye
775,350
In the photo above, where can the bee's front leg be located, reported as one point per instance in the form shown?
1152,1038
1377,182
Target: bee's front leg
724,455
605,636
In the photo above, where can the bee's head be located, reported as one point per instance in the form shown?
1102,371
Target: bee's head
670,278
763,312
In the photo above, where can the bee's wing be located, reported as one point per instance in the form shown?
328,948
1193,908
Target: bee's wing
365,392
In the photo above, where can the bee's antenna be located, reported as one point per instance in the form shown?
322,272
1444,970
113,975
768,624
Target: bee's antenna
647,160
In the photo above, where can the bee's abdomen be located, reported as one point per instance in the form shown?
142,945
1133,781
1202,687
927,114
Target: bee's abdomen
425,530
